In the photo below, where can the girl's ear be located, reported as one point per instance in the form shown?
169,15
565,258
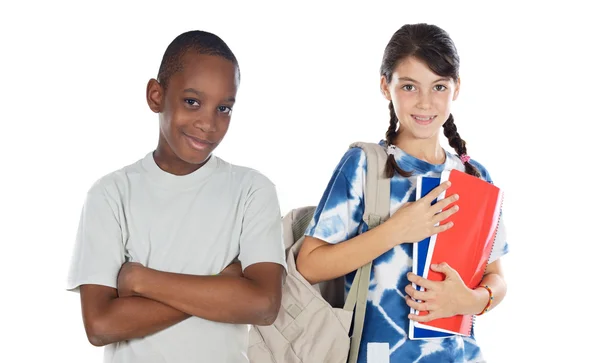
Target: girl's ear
155,96
456,90
385,89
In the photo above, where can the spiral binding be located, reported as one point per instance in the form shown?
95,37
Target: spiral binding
473,317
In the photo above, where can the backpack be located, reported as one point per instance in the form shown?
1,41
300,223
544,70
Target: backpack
314,321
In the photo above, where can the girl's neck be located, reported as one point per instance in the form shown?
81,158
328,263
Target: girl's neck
428,150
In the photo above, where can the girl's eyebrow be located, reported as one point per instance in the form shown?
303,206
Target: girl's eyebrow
408,79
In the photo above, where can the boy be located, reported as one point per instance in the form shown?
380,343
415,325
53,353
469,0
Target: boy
158,242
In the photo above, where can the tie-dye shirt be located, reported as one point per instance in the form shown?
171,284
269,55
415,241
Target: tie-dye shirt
338,217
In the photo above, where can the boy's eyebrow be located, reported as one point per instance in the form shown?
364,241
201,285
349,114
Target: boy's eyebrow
408,79
200,94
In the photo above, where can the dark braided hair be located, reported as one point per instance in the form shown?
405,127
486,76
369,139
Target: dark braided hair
201,42
458,144
392,166
432,45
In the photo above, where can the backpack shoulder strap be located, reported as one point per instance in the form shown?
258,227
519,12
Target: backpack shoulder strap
377,210
377,191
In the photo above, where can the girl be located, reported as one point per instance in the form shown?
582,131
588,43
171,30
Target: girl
420,78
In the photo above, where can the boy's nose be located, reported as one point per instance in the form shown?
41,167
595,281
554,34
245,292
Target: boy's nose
206,123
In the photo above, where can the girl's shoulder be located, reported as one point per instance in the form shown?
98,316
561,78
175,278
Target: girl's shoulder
485,175
353,162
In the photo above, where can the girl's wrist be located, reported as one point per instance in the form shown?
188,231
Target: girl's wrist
478,301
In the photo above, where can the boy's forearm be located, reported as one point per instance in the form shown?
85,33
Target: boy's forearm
222,298
127,318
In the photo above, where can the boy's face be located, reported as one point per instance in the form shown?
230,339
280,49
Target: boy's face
195,108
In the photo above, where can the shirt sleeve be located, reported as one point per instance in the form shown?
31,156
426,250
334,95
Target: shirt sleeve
500,247
99,251
261,238
338,216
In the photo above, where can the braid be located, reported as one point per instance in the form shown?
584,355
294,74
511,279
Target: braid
391,132
459,145
391,166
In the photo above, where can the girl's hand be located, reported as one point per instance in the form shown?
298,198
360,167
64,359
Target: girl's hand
417,220
441,298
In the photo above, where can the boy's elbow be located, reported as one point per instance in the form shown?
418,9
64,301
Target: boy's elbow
96,333
95,340
269,309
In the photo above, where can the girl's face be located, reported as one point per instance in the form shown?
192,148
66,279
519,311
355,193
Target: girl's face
420,97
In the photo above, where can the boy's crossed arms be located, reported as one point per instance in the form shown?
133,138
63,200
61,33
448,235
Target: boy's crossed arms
148,300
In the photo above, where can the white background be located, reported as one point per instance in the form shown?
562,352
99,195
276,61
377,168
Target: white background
73,82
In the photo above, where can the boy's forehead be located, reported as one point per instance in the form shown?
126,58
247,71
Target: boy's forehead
197,62
208,69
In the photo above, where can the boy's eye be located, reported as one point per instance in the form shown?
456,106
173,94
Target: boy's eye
191,102
440,87
408,87
225,109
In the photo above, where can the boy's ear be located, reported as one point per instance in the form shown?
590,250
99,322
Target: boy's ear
155,95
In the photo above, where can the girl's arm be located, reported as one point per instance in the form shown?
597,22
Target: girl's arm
320,261
451,296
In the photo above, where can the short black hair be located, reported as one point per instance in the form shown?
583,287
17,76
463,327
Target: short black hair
199,41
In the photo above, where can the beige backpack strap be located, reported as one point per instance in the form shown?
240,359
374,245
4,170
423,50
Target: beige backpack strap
377,210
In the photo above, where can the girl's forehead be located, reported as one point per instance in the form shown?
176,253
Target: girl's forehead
413,69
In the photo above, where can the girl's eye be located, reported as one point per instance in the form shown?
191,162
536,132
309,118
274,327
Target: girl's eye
225,109
440,87
408,87
192,102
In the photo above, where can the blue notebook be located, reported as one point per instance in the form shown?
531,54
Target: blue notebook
420,249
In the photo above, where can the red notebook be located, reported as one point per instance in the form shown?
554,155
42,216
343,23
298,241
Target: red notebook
467,246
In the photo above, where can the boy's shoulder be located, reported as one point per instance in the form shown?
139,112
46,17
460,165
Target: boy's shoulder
243,174
115,180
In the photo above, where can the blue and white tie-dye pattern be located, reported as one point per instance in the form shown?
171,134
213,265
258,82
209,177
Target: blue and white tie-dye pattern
338,217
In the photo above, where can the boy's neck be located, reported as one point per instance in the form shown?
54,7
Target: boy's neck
428,150
173,165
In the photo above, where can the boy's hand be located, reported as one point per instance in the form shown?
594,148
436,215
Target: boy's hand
128,277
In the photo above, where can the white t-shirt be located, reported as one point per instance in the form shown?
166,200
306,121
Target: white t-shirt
193,224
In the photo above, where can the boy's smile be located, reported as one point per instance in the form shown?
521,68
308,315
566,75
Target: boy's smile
194,111
198,143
